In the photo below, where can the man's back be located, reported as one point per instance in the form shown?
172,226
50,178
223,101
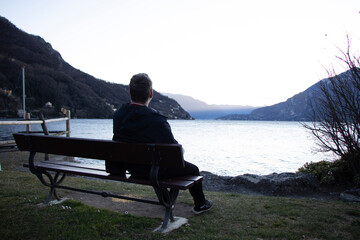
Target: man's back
134,123
137,123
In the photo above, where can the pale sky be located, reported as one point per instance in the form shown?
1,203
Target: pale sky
257,52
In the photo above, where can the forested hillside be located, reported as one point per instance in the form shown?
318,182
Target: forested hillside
296,108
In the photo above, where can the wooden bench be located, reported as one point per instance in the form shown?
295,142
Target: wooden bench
154,155
8,146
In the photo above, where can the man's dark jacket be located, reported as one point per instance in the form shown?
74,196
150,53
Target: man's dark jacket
138,124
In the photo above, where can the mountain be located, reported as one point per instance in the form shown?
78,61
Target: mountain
201,110
296,108
53,85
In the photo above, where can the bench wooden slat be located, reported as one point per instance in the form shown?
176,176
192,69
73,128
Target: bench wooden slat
192,178
69,169
102,168
195,179
8,147
76,164
169,155
180,183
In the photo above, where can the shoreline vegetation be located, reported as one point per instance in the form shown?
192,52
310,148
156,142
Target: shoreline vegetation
262,210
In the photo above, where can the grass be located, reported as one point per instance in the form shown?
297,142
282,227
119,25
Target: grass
234,216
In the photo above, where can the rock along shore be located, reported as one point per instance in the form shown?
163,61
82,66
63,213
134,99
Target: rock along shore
275,184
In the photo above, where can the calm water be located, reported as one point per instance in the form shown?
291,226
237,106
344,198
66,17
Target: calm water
223,147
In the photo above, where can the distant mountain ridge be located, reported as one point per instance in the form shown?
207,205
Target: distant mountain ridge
296,108
201,110
49,79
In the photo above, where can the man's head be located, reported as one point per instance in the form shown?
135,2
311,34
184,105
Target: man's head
141,88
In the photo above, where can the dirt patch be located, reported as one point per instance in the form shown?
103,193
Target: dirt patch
129,207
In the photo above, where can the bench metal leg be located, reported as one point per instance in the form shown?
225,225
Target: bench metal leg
167,198
51,193
53,181
168,216
52,184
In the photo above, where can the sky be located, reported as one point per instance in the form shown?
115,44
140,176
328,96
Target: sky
236,52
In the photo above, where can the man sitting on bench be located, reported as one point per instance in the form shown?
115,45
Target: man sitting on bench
137,123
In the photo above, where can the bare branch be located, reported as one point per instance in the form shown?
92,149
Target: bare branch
336,111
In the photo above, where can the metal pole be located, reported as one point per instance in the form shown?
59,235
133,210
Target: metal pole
28,125
23,86
68,115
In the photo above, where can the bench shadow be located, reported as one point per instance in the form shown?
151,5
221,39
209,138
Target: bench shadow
129,207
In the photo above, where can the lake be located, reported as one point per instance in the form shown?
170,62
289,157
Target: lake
228,148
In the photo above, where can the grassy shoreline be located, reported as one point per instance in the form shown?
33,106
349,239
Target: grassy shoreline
234,216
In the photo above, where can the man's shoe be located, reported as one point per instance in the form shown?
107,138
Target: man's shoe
206,207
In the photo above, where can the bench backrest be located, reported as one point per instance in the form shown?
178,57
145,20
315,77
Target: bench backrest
168,155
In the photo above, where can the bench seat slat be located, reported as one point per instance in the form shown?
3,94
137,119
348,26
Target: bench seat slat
102,168
192,178
181,183
76,164
82,171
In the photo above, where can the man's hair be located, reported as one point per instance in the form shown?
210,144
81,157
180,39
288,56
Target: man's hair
140,87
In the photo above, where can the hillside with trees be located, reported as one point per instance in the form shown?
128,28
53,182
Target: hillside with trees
53,85
296,108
